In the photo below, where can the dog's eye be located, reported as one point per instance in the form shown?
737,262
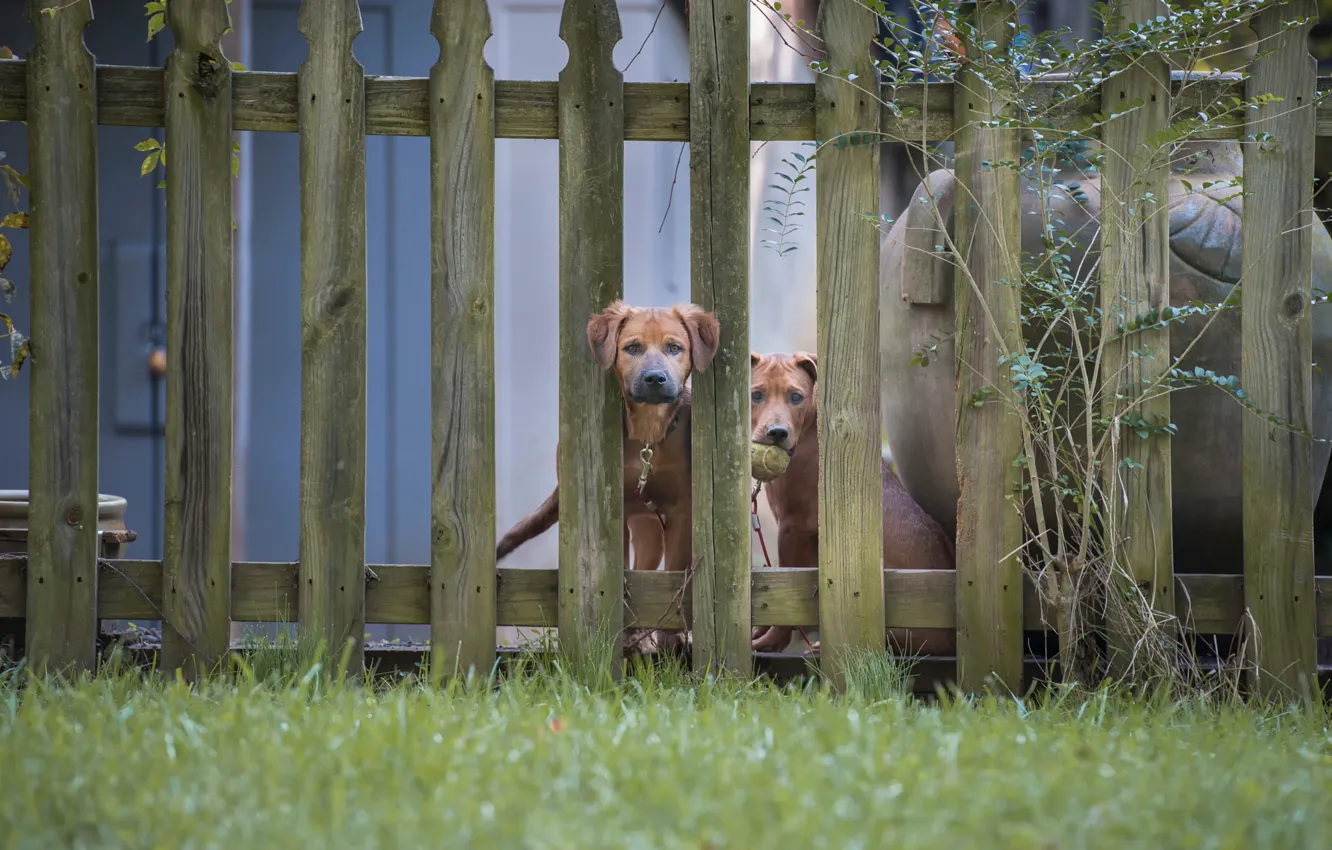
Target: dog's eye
756,396
674,347
796,398
633,348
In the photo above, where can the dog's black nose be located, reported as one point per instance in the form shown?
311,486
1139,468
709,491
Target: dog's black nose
778,434
654,378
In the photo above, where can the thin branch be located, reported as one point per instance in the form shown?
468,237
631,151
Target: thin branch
646,38
670,198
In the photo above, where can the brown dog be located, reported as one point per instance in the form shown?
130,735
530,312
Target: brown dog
653,351
784,410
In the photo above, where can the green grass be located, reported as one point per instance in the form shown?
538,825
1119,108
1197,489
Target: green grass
275,759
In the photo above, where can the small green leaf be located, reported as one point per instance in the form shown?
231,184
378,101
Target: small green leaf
149,163
15,221
238,66
148,145
11,174
155,25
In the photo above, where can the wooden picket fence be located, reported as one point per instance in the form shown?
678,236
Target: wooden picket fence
63,96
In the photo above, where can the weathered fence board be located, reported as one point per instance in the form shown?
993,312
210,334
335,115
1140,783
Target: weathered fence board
653,112
197,550
333,328
1279,488
63,439
719,252
850,436
462,353
1135,279
591,524
987,234
913,599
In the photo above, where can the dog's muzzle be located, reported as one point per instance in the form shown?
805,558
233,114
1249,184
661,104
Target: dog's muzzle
654,386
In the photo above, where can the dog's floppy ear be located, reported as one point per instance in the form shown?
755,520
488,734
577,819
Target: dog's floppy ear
754,359
808,362
704,331
603,332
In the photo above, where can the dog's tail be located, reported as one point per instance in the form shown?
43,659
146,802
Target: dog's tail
531,525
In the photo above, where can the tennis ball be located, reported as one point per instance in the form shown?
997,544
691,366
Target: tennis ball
767,462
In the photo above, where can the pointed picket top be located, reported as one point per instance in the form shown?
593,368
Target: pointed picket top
590,25
323,20
197,24
461,25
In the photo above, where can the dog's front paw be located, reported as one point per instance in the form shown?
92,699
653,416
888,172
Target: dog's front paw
773,639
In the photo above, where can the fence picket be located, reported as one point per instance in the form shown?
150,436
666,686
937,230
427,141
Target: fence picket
462,221
719,249
63,441
197,552
333,326
1279,488
987,227
851,615
591,271
1135,279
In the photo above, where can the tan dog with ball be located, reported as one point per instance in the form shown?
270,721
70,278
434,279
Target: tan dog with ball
785,454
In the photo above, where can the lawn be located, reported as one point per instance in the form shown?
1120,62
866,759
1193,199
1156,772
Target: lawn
655,762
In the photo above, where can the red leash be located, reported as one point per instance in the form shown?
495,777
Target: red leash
758,527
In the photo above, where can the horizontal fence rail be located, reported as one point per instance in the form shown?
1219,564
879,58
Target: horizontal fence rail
653,112
780,596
